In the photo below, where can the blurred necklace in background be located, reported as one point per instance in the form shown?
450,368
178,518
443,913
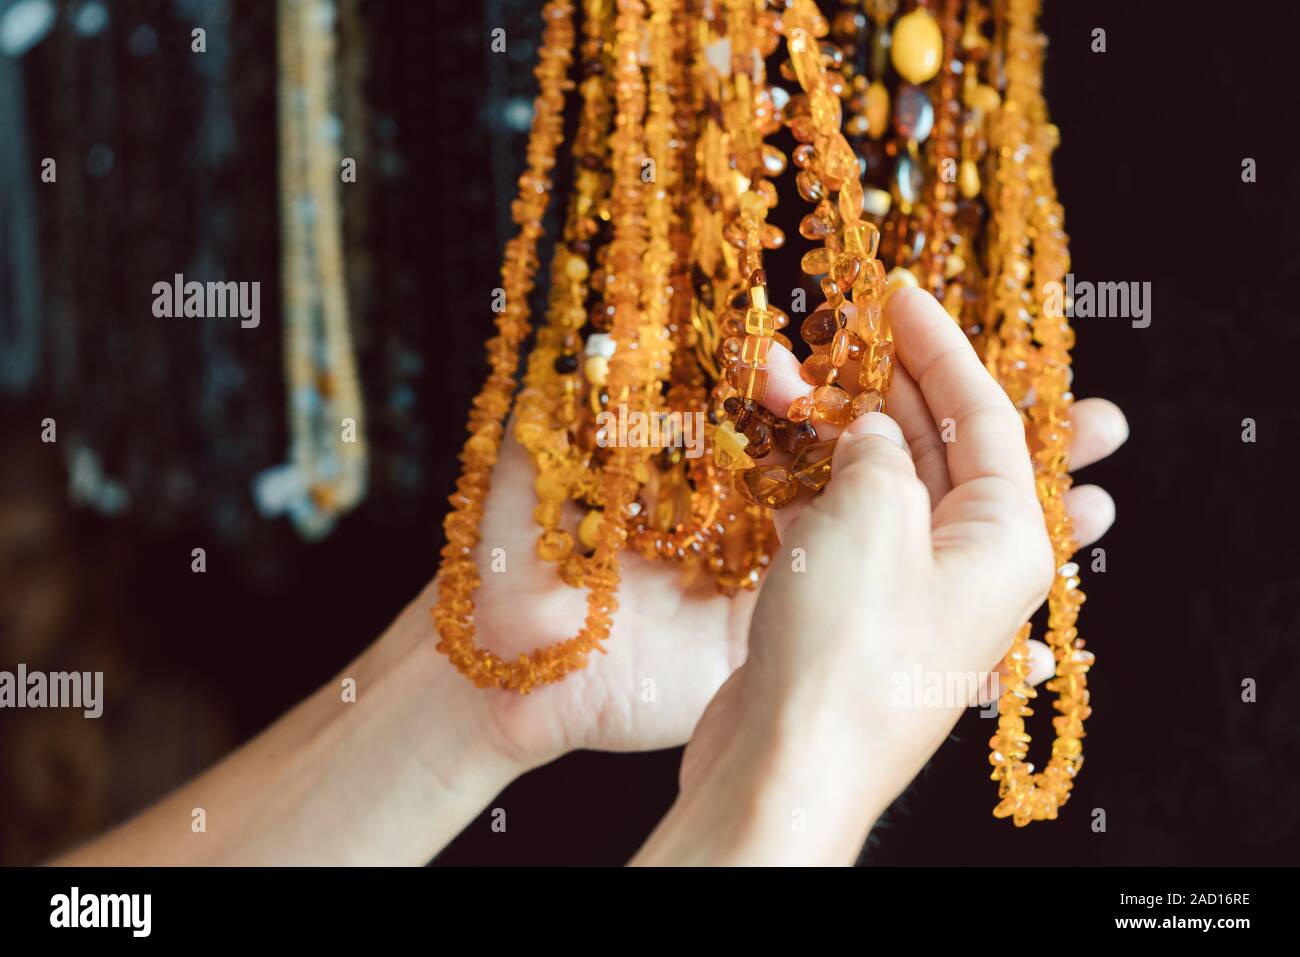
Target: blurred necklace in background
328,458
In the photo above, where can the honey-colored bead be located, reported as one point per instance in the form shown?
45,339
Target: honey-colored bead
771,486
596,369
589,528
759,322
817,370
820,327
839,353
751,381
917,48
816,262
801,408
877,110
755,349
831,290
869,400
576,268
554,545
551,485
833,404
729,448
812,466
968,179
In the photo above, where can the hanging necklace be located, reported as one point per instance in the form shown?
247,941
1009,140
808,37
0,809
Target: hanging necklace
659,298
326,475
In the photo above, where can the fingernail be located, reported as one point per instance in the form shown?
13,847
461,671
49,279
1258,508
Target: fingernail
877,423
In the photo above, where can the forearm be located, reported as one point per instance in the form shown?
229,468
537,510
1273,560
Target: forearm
389,778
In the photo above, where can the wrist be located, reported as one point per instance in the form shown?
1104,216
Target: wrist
790,787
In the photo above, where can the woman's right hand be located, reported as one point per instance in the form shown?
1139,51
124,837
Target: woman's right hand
913,570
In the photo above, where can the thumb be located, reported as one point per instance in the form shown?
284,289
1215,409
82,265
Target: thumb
873,474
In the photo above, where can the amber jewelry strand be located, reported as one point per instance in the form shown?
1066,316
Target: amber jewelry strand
458,575
659,301
320,365
1025,795
549,413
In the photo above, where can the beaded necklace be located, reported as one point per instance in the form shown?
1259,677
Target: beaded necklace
328,448
659,299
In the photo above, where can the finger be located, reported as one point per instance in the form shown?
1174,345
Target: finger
907,407
1042,665
989,436
1099,429
874,475
1092,511
784,384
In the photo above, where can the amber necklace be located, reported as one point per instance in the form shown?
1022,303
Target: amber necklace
659,300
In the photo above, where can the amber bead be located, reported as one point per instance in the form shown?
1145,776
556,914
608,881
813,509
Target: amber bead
833,293
760,435
847,270
866,401
755,348
794,437
554,545
729,448
740,409
817,370
759,322
820,327
839,353
751,380
812,466
809,186
833,404
816,262
917,47
801,408
772,486
589,527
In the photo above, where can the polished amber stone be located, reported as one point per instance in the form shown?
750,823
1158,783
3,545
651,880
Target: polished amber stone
729,447
759,322
589,527
917,48
755,349
812,465
794,437
801,408
554,545
772,486
869,400
817,370
820,327
760,435
740,409
839,353
833,404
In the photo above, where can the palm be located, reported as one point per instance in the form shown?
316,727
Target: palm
670,649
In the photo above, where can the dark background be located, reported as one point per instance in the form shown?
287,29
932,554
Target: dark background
1200,590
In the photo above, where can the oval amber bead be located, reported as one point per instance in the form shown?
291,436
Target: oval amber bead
817,370
833,404
772,486
801,408
917,47
820,327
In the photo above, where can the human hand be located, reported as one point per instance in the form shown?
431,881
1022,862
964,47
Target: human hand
921,557
687,641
